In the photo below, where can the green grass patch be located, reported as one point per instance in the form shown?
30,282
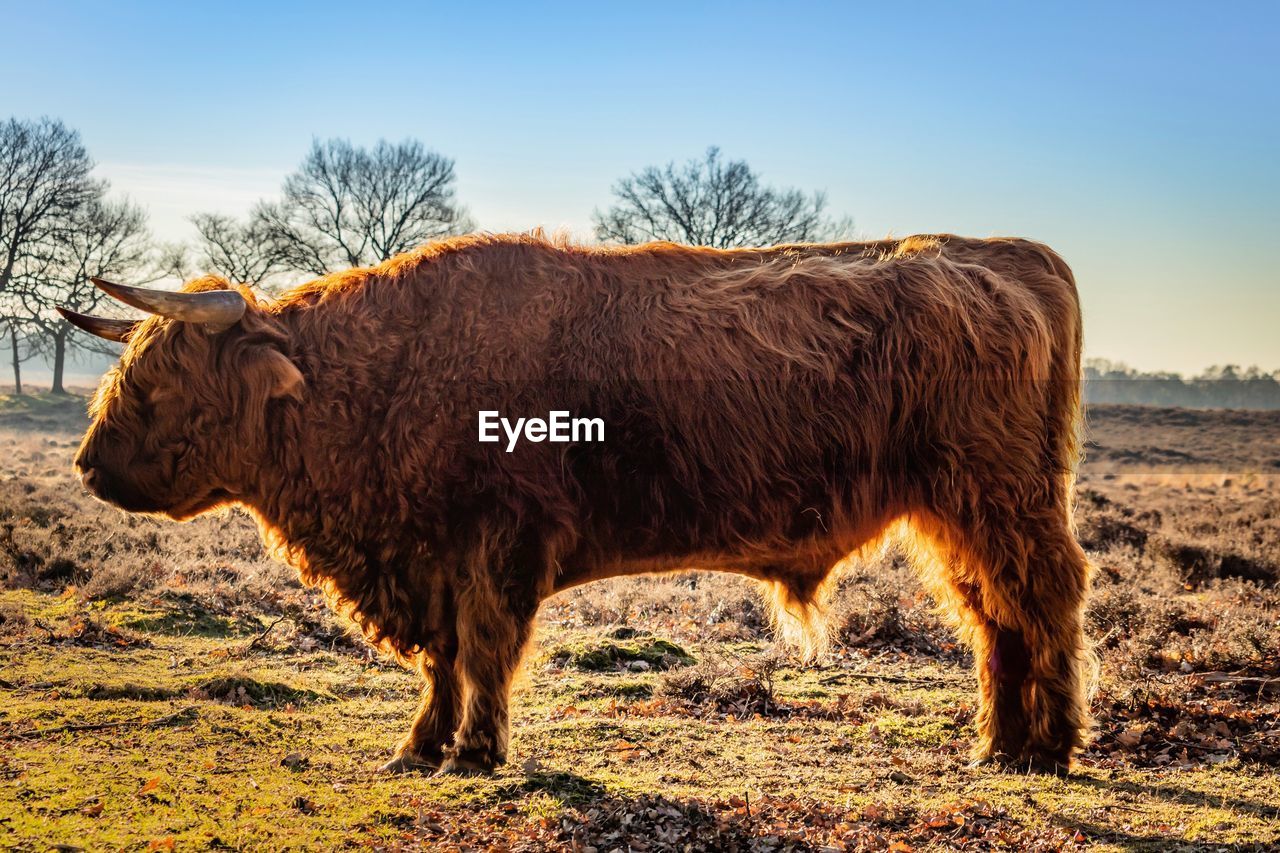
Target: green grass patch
195,622
628,690
604,655
243,690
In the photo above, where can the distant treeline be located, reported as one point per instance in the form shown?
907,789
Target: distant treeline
1227,387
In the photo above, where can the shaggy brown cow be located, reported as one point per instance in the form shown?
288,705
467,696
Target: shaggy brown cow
767,412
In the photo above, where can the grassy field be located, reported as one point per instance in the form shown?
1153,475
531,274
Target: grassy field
166,687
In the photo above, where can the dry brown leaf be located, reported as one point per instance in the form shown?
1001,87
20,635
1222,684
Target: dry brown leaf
1130,737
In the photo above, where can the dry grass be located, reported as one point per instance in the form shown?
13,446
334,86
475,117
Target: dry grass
259,719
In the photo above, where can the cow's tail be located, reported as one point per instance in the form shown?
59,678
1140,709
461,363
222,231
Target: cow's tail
1067,424
1066,409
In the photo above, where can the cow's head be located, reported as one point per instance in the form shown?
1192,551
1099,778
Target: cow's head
181,422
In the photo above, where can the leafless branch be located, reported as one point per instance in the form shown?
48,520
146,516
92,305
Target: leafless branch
711,202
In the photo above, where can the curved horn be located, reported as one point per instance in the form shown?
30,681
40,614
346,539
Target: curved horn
216,309
113,330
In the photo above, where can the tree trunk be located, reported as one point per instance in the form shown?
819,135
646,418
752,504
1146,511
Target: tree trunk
17,363
59,358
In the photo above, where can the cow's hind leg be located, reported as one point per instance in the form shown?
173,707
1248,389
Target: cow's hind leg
1021,583
437,717
1033,597
492,633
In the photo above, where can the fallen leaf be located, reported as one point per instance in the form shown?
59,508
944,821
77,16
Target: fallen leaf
304,805
1130,737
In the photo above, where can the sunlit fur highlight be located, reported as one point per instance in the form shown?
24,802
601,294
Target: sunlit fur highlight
770,412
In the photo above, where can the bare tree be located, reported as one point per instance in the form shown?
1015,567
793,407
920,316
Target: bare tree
44,178
713,202
15,338
173,260
108,240
244,252
349,206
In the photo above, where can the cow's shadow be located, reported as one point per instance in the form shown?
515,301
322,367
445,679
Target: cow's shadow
569,788
698,819
1172,794
691,824
1183,796
1156,841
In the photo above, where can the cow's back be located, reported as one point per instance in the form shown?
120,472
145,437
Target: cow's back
754,400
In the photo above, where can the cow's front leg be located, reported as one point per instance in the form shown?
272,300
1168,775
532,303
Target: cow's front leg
492,632
437,717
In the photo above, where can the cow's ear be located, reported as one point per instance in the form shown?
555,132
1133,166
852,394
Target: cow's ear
278,376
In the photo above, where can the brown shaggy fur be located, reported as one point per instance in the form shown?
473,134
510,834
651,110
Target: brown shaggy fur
767,412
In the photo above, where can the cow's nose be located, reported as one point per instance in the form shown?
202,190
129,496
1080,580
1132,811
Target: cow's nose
90,480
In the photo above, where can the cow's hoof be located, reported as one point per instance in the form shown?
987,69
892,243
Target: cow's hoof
463,767
406,763
1005,761
997,760
471,762
1047,766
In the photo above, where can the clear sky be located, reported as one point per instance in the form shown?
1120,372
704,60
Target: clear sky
1141,140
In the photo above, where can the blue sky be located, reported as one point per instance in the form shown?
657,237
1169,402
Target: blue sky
1141,141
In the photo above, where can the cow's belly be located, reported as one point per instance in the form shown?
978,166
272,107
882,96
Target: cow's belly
770,557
